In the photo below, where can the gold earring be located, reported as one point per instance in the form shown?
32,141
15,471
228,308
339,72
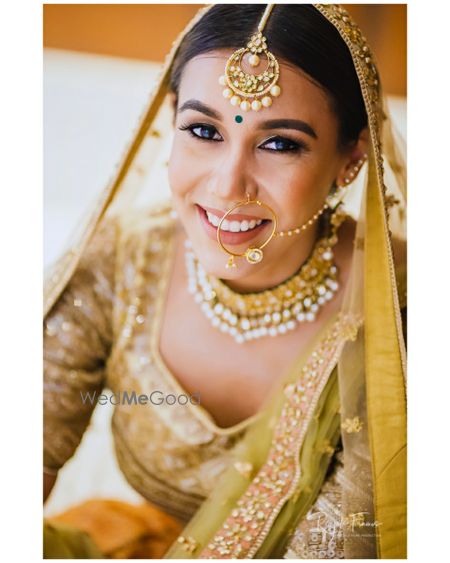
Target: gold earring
253,254
252,91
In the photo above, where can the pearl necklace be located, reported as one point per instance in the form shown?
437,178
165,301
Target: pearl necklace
246,316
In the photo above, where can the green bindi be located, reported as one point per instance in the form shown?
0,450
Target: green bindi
239,119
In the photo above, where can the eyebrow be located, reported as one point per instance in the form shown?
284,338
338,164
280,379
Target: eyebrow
196,105
296,124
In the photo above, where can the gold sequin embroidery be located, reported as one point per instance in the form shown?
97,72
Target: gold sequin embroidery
245,528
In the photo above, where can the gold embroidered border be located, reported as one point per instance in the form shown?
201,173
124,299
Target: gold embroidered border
244,531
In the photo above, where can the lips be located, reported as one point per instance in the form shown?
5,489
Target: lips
228,237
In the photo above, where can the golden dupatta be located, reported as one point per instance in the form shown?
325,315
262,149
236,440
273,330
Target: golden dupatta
353,386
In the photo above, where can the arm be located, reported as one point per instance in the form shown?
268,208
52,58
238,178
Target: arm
77,341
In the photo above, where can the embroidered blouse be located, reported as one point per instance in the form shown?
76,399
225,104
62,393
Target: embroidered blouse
102,333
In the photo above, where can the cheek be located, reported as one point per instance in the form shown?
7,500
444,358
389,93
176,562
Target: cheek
180,173
188,168
299,191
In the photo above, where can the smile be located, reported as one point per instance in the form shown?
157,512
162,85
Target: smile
236,229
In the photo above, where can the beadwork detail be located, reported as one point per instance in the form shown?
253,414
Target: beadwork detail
274,311
248,90
247,525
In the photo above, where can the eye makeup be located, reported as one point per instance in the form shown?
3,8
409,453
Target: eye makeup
275,144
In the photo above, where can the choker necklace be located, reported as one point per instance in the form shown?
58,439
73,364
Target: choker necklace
246,316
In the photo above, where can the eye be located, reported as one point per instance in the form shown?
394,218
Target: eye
202,131
282,144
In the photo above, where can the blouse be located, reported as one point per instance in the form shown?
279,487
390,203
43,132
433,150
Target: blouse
102,333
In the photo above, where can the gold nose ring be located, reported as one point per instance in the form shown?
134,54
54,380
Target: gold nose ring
253,254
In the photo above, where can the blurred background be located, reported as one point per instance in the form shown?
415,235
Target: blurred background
146,32
100,65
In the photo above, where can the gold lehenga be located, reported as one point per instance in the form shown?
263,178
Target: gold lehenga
329,446
103,333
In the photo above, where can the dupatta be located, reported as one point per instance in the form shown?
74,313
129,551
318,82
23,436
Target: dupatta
352,383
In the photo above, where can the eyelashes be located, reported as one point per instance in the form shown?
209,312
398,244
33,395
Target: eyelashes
277,143
282,144
205,132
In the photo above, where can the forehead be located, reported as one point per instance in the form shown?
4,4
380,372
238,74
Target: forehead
300,97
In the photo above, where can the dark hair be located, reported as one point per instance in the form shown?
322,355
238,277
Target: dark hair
297,33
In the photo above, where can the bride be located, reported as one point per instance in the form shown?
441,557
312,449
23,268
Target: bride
255,288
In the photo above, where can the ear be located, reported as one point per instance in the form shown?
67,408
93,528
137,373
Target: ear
352,159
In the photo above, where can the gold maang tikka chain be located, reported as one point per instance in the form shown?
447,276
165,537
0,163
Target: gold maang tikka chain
252,91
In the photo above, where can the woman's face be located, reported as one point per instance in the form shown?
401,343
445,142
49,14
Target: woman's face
286,156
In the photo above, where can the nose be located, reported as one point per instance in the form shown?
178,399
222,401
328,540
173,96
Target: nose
232,178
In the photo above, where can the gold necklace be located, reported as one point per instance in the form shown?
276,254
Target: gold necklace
273,311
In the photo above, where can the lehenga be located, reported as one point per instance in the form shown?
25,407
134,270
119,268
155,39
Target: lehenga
320,472
103,333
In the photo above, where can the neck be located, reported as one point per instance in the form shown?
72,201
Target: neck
272,274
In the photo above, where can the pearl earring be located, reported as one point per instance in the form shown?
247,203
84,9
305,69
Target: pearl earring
354,171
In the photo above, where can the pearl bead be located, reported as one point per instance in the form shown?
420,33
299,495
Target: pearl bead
256,105
222,80
235,101
253,60
275,91
266,101
227,93
245,106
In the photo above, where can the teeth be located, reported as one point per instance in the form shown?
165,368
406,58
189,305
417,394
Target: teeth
233,226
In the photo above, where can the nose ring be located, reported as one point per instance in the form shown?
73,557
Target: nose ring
253,254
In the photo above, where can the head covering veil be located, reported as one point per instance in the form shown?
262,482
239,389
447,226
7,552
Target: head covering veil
366,405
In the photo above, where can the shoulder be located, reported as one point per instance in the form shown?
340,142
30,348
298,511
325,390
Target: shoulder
154,221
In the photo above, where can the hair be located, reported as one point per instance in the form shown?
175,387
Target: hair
297,33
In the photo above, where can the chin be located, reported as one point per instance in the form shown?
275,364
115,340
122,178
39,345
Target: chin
214,261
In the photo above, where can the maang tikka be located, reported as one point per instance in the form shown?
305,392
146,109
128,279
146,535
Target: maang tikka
252,91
